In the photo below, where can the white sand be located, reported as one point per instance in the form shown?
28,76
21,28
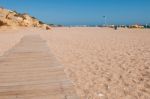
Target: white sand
102,62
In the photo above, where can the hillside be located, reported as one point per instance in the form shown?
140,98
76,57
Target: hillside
12,18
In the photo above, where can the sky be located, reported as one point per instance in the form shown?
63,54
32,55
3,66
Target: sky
83,12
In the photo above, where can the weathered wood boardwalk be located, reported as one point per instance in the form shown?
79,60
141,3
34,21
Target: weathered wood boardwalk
29,71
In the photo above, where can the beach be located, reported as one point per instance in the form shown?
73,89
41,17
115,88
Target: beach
102,63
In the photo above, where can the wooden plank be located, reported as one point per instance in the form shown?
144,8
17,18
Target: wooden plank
29,71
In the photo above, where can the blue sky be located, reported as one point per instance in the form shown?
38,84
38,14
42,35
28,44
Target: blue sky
79,12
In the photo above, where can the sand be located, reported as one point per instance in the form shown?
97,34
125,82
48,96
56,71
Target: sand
9,36
101,62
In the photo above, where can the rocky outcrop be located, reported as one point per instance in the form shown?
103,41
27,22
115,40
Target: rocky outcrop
12,18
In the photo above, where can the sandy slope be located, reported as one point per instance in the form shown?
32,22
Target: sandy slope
103,63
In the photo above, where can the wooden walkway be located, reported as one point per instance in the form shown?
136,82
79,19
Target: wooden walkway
29,71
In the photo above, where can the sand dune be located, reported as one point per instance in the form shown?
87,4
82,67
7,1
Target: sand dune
102,62
13,18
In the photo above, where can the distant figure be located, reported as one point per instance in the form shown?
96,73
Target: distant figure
115,27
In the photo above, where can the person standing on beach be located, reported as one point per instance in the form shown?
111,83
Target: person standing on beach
115,27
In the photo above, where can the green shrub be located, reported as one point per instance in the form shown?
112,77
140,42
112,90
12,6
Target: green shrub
40,22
